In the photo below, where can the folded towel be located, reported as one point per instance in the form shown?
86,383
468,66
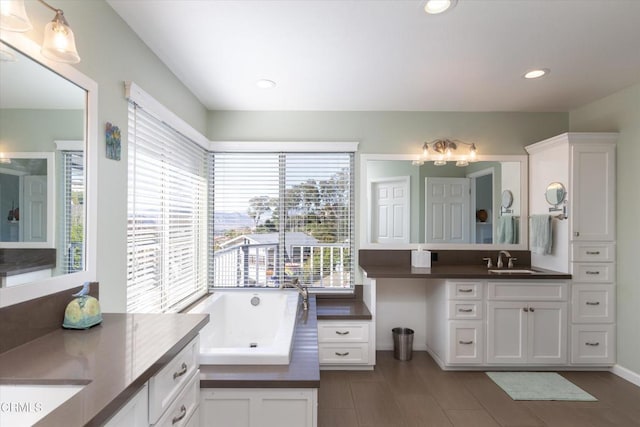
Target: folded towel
541,234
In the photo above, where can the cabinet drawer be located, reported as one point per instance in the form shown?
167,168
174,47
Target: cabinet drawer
343,331
592,252
593,303
593,344
527,291
186,404
464,290
465,342
465,310
594,273
343,353
166,384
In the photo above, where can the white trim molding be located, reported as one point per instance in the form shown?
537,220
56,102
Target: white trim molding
69,145
284,146
627,374
136,94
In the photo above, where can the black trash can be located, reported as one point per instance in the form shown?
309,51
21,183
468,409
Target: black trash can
402,343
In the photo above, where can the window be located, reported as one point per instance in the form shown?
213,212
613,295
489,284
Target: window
280,217
167,216
72,227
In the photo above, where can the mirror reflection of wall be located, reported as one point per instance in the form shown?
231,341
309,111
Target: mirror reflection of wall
486,181
39,108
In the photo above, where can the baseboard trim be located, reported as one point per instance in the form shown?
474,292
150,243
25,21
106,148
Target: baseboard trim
389,347
627,374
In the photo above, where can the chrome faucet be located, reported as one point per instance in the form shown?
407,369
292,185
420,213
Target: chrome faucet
301,289
500,264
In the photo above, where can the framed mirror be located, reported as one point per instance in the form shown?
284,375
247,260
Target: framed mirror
48,134
555,194
403,205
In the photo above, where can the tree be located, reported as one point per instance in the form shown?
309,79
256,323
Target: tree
258,206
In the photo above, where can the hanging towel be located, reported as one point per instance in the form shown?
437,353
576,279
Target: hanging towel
507,232
541,234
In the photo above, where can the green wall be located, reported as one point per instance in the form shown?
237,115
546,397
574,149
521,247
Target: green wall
112,54
620,112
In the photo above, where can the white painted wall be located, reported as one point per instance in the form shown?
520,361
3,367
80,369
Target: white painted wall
620,112
401,303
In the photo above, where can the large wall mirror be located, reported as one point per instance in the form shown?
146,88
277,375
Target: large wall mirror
482,205
47,173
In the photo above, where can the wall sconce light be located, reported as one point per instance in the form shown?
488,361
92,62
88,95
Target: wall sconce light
59,43
443,150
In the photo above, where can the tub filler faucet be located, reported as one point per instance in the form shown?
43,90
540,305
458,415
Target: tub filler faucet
302,289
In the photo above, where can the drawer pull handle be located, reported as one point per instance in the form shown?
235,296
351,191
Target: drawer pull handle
592,273
525,309
593,302
465,310
465,342
346,353
183,413
592,344
181,372
593,252
342,332
466,291
531,309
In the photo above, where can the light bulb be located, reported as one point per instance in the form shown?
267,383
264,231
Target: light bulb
473,152
425,150
59,43
13,16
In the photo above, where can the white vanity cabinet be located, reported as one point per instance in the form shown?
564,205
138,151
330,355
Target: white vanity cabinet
135,413
584,243
458,340
527,322
344,342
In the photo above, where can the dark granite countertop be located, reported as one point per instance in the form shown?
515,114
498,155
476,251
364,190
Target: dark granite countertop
113,359
342,309
303,371
13,269
458,272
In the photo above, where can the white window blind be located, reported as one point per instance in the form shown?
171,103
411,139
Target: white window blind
72,258
279,217
167,216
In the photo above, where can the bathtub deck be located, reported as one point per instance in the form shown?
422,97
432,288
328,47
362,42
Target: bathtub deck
302,372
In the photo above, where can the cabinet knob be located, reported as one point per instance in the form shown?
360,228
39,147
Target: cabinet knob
576,234
525,309
531,309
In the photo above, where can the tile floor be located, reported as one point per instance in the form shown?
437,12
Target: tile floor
418,393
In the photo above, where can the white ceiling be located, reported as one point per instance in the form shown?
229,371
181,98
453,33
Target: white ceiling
389,55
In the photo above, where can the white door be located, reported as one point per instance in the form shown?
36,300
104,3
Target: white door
506,332
547,333
391,210
34,209
447,210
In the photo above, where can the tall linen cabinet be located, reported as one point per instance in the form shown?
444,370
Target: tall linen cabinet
584,241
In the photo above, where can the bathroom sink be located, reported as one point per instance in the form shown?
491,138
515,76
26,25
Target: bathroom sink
26,404
513,271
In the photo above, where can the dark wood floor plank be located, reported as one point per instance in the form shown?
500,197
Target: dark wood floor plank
337,417
422,410
502,408
471,418
375,404
334,392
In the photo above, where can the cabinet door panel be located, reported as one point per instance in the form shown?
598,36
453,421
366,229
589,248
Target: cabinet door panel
506,332
593,182
547,333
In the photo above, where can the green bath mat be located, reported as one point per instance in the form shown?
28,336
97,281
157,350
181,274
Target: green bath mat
538,386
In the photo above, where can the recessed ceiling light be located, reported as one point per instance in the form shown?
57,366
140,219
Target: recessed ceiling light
536,74
265,84
433,7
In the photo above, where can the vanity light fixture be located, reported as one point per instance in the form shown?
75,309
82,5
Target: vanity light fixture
536,74
13,16
434,7
59,43
443,150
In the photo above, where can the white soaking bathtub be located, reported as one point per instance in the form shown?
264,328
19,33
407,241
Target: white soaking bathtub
248,327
